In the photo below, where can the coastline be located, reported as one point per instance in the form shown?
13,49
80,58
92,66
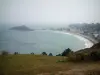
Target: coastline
89,42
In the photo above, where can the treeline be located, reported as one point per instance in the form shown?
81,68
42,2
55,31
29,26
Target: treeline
71,56
64,53
16,53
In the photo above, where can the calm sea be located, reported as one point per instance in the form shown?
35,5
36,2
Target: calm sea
38,41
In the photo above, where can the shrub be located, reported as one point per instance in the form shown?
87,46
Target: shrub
66,52
32,53
4,53
95,56
44,53
72,58
50,54
76,57
58,55
15,53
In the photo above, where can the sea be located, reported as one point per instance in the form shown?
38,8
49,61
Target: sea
38,41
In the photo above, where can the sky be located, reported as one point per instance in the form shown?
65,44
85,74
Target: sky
49,11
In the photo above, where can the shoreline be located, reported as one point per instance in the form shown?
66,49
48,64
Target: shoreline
89,42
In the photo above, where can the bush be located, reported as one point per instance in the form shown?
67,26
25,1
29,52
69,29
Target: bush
4,53
44,53
95,56
15,53
66,52
32,53
50,54
76,57
58,55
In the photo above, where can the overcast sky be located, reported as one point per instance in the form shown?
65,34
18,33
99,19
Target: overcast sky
49,11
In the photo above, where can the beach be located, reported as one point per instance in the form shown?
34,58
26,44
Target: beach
89,42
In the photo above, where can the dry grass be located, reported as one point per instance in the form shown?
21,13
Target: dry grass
44,65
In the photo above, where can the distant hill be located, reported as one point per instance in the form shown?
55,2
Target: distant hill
95,47
21,28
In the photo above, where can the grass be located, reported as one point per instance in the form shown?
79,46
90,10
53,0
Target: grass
25,64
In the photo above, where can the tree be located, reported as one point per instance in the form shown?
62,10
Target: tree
50,54
15,53
4,53
66,52
58,55
44,53
32,53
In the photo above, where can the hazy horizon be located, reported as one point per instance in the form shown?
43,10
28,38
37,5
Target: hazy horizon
49,12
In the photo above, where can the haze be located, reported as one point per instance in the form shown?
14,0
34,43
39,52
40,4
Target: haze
49,11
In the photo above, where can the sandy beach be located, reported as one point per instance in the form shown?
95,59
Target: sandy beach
89,42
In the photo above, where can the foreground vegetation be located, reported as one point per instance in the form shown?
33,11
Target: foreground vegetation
26,64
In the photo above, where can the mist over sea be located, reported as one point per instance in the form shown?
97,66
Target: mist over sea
37,41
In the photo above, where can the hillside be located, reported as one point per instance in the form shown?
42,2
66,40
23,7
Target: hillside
95,47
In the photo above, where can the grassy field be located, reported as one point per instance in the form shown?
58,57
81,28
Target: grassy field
45,65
